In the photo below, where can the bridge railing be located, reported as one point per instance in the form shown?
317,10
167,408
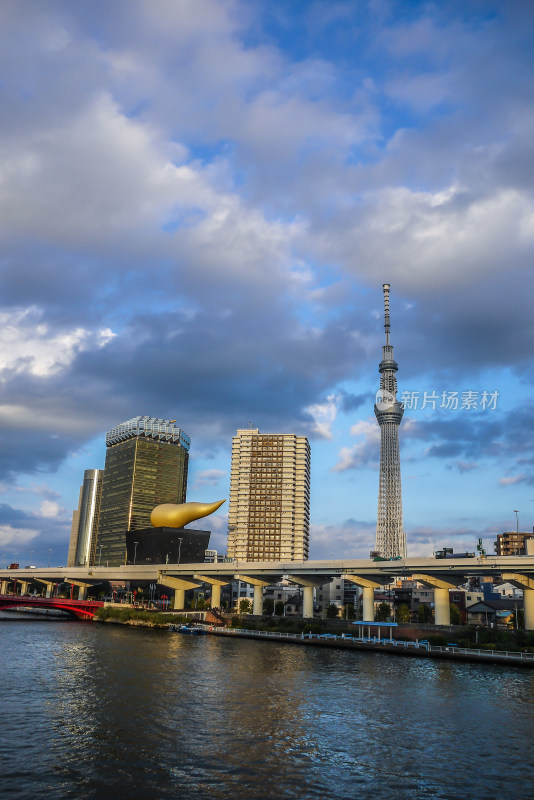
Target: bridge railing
484,653
406,643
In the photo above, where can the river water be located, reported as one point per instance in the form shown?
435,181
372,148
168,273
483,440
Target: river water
96,711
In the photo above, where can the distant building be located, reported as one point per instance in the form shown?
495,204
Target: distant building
491,613
166,545
512,543
84,528
286,593
331,593
146,465
239,590
269,509
506,589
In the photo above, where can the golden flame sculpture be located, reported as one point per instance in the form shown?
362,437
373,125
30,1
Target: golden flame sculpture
176,515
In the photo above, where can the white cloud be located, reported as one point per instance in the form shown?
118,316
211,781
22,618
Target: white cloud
510,481
349,539
209,477
50,509
466,466
17,536
324,415
48,415
28,345
364,452
432,239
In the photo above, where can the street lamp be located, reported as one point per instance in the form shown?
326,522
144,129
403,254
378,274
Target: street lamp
135,551
100,546
179,548
516,512
49,554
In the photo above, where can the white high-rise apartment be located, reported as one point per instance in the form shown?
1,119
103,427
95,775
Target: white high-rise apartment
269,512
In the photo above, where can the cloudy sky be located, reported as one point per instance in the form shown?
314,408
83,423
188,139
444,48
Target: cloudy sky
200,201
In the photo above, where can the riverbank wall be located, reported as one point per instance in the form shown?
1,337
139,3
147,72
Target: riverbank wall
394,647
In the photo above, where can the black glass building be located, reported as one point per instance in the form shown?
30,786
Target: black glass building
146,465
167,546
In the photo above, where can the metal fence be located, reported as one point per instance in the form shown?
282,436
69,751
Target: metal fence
397,643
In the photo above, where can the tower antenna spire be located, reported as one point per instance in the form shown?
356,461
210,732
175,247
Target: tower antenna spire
385,287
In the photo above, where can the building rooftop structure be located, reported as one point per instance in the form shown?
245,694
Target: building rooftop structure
162,430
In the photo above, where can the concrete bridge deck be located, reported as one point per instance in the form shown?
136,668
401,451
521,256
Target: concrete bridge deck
440,574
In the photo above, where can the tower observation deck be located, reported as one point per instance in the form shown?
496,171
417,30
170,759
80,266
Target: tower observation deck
390,536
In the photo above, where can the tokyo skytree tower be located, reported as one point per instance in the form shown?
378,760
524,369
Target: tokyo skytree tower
390,536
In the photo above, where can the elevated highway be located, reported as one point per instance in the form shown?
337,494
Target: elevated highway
440,574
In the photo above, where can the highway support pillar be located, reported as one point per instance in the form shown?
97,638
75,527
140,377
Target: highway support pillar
527,584
24,587
257,604
216,585
442,608
49,586
528,608
3,586
307,593
180,586
307,602
368,604
82,587
368,590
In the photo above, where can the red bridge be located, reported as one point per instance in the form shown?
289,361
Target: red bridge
83,609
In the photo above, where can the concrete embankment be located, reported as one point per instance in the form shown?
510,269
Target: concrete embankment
393,647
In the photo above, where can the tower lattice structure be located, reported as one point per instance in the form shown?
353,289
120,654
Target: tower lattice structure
390,536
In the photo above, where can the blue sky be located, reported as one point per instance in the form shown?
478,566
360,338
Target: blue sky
200,202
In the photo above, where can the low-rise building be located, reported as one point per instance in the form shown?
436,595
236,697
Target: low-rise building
512,543
331,593
494,613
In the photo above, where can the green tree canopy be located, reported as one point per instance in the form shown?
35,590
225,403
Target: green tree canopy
245,606
424,613
279,608
268,606
383,612
403,613
332,611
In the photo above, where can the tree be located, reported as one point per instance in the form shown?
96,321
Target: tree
403,613
349,612
332,611
424,614
279,608
268,606
245,606
455,614
383,612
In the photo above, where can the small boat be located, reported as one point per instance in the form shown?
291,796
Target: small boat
193,630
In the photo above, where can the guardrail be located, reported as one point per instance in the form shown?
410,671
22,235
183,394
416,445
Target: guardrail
397,643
